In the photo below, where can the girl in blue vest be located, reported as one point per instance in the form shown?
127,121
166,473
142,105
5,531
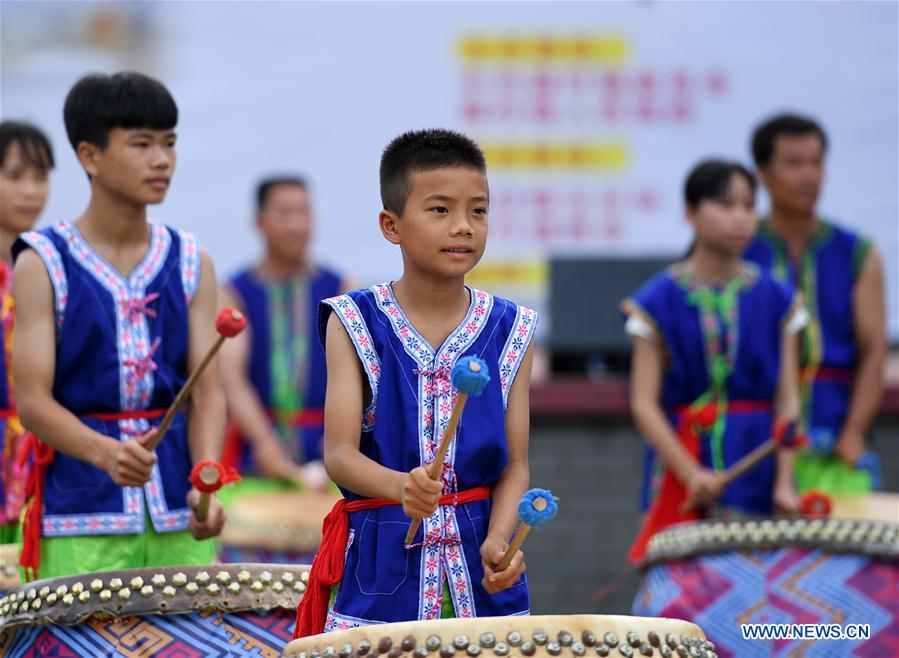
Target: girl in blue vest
113,311
274,372
390,349
713,363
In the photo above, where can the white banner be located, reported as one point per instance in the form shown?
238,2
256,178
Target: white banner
590,113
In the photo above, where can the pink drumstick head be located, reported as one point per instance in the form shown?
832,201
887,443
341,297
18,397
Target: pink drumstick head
230,322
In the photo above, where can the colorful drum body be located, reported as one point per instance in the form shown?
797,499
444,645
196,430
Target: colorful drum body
549,635
723,574
282,528
217,611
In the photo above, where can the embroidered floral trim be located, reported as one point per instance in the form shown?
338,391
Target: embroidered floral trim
349,314
338,622
515,349
190,264
48,253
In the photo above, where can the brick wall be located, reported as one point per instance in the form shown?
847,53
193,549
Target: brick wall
594,467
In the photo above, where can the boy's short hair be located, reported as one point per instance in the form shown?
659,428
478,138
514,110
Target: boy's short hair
36,148
783,124
266,184
423,150
97,103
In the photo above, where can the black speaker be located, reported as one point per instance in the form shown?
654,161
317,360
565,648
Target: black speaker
587,332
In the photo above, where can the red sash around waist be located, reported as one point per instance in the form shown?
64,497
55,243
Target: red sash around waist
327,567
30,559
827,374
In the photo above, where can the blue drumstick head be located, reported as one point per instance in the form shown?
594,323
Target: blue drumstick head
537,507
470,375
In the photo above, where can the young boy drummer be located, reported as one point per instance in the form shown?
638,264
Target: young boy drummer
113,311
390,349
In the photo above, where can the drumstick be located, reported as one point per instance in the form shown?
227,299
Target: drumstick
536,509
207,477
785,434
469,376
229,323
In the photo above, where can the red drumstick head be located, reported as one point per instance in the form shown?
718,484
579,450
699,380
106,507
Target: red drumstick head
815,504
230,322
209,476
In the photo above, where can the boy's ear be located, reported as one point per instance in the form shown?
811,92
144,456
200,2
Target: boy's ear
88,155
389,224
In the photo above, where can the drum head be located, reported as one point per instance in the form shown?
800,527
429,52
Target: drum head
289,521
549,635
155,591
9,562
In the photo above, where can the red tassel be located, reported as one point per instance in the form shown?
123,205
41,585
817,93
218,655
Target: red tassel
666,508
327,567
30,559
233,447
327,571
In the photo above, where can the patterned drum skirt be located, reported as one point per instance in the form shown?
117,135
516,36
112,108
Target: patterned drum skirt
218,611
787,570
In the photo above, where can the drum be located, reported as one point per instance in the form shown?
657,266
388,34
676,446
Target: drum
786,570
278,528
549,635
9,563
218,610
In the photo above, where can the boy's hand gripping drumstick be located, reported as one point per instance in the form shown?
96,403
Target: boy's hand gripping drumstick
469,376
207,477
229,323
536,509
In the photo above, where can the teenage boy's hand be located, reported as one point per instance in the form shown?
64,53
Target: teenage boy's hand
129,463
215,518
492,551
420,494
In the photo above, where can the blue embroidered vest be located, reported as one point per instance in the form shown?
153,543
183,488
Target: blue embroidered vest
752,338
411,401
121,345
309,375
826,276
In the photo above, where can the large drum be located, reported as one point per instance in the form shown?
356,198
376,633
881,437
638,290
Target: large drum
560,635
278,528
840,570
219,610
